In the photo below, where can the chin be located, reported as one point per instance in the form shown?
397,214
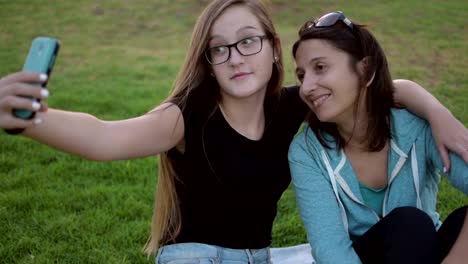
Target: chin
324,118
245,93
321,119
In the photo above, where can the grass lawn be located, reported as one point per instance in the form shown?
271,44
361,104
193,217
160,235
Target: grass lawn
118,60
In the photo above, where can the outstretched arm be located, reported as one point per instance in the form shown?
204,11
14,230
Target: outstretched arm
449,133
83,134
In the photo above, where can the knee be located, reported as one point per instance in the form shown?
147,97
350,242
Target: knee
414,227
412,218
461,212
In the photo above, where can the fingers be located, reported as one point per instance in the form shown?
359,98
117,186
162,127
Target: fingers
10,122
23,77
44,107
16,102
459,147
24,89
10,102
464,154
444,155
462,146
18,96
16,91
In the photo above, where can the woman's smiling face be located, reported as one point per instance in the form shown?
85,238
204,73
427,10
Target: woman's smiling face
329,85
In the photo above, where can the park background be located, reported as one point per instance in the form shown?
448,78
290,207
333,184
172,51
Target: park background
118,60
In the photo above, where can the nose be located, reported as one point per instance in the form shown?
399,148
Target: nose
236,57
309,83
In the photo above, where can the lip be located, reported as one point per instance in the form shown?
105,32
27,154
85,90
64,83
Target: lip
317,100
239,75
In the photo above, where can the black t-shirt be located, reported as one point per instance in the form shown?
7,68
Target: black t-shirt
229,185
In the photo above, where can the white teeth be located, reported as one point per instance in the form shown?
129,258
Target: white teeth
317,102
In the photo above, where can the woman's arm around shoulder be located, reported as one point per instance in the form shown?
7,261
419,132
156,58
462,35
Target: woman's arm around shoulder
449,133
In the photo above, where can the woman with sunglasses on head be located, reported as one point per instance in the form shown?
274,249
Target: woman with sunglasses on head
365,173
222,136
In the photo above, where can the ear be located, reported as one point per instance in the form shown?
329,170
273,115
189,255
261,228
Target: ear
276,49
363,67
370,80
275,55
211,71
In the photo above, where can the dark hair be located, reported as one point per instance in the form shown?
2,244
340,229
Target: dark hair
360,44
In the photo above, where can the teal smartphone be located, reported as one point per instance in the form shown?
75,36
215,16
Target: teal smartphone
40,59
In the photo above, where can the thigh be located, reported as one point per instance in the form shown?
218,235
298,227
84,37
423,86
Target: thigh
298,254
450,229
194,253
187,253
244,256
405,235
261,256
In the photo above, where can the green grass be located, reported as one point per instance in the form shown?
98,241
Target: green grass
118,60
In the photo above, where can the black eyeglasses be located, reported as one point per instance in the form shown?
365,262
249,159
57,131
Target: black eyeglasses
246,47
327,20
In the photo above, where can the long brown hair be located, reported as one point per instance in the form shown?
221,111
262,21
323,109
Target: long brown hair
195,75
360,45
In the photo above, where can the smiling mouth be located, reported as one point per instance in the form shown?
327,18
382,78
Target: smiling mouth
320,100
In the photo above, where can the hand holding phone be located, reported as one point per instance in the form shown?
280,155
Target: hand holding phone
40,59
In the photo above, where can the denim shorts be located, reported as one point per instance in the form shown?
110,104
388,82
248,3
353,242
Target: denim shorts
194,253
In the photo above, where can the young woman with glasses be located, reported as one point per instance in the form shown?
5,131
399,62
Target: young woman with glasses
222,136
365,173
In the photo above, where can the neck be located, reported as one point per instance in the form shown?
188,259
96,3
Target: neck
245,115
354,129
352,125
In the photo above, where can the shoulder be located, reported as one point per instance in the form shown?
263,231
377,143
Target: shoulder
401,116
297,144
165,113
196,105
404,122
407,128
304,143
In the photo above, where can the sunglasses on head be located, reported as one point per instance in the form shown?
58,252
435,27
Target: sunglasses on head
327,20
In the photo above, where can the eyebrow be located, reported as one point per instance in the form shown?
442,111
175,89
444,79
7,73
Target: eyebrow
315,59
310,62
238,31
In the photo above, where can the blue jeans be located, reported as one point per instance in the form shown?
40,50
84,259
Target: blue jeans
194,253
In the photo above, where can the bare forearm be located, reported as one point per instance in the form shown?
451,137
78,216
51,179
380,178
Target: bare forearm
449,133
86,136
71,132
416,99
